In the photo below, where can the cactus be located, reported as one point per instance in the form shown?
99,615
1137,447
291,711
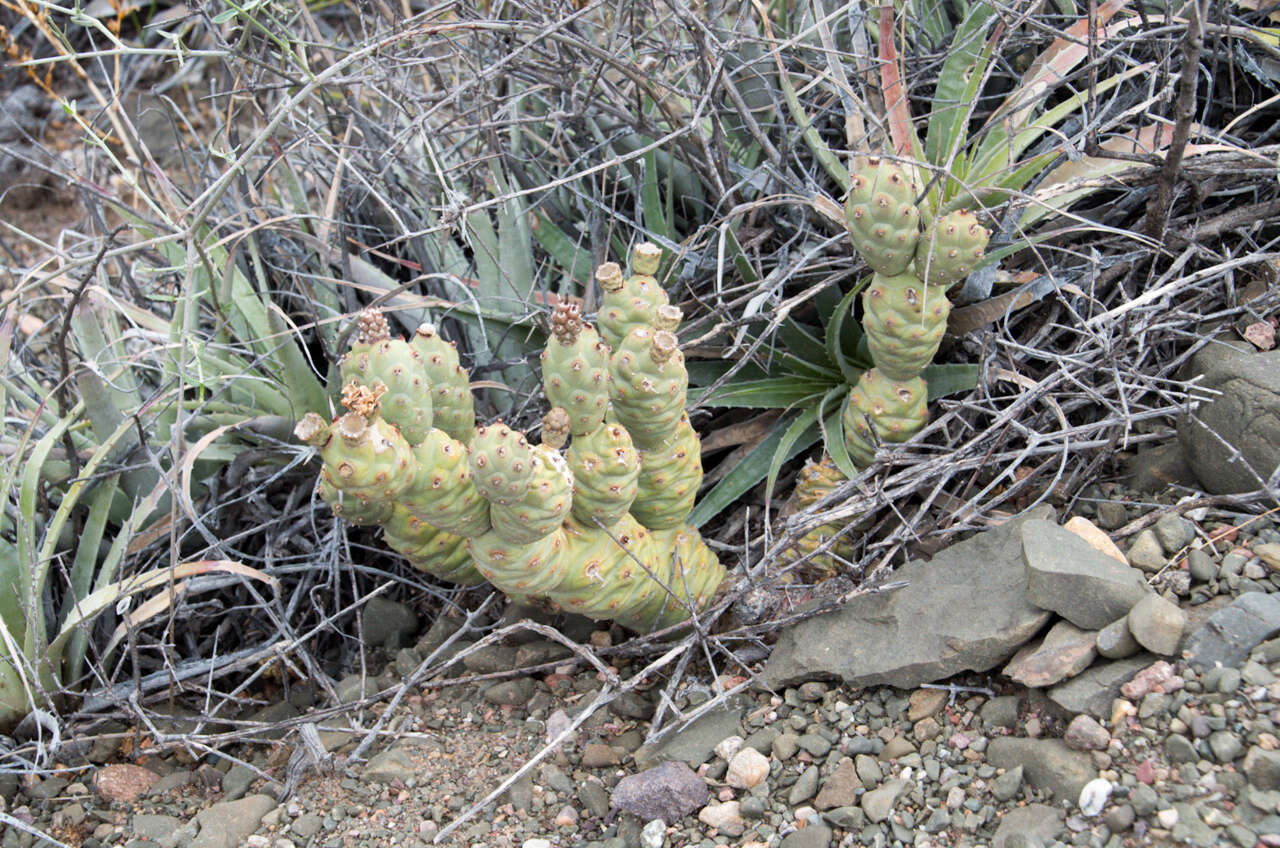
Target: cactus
429,549
543,507
894,410
904,321
501,464
633,302
451,402
669,479
575,370
649,386
951,248
881,215
605,467
816,481
442,492
542,528
378,358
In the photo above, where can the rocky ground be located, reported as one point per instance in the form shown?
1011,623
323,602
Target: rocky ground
1126,716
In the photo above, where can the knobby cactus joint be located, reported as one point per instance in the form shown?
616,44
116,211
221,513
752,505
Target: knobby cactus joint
602,531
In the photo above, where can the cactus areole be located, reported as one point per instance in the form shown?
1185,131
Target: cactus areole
600,530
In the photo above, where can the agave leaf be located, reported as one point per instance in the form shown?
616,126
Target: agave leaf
843,335
1073,180
944,379
1052,66
572,257
805,350
767,393
754,467
833,431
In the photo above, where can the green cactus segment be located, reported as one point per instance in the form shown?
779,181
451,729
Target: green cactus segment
501,463
881,215
631,302
951,248
575,370
605,468
429,549
544,507
650,386
451,402
896,410
392,362
442,493
688,569
669,479
529,572
904,321
607,568
350,508
366,459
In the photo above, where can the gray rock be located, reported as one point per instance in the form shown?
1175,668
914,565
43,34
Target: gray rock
1146,552
1232,632
1153,470
632,705
814,836
1191,829
1225,746
1115,642
1180,749
155,827
1144,799
1093,690
669,791
1174,532
594,798
1157,624
1007,785
964,610
490,659
1262,768
1047,764
388,623
390,765
785,746
1112,515
878,803
1000,711
1039,823
695,743
1064,652
868,769
1120,818
515,692
1201,566
228,823
805,787
1069,576
1233,441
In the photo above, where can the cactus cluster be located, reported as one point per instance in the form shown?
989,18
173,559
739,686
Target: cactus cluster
598,529
905,310
905,307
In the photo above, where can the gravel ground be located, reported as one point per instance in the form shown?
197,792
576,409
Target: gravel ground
1183,757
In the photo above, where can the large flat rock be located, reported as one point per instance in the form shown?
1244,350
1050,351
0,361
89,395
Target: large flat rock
1069,576
1048,764
964,610
1232,632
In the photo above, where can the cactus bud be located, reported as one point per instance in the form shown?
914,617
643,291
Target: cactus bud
609,276
555,428
645,258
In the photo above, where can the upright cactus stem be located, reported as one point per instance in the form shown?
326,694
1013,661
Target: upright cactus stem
575,370
541,526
